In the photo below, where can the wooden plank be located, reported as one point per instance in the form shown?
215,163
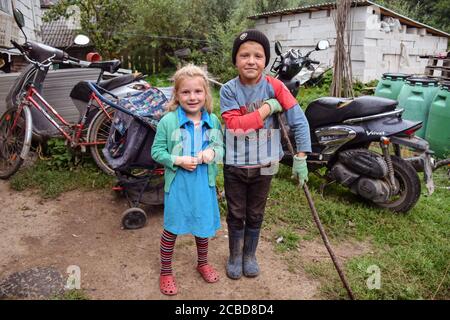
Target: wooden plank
446,66
440,78
429,69
438,67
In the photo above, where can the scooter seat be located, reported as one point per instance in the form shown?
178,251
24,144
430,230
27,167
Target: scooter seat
116,82
330,110
108,66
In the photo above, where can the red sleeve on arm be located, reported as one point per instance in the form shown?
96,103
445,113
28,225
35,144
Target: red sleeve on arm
282,93
234,119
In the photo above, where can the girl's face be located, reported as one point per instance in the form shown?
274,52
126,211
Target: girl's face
191,94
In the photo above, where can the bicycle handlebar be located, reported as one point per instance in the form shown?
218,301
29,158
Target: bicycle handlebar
73,59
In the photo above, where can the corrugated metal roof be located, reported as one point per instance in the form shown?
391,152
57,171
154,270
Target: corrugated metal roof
358,3
57,34
48,3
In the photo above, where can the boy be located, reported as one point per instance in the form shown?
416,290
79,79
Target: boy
248,104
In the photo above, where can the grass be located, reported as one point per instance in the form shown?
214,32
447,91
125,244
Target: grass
72,295
412,250
161,79
50,183
287,239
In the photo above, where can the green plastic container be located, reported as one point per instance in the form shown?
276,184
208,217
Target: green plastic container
416,97
438,126
390,85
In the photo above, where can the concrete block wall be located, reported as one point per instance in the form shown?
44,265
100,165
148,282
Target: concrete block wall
300,31
374,52
383,51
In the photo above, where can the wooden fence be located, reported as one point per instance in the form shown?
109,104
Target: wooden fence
145,60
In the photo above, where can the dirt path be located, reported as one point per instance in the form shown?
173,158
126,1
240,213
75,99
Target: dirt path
83,229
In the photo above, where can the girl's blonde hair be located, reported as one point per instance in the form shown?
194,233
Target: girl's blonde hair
190,71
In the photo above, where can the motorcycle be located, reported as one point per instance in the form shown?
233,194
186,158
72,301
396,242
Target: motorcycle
342,130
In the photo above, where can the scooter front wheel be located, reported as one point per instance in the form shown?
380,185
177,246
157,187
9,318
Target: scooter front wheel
409,187
15,140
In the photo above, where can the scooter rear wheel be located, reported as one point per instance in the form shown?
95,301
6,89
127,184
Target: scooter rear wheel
409,183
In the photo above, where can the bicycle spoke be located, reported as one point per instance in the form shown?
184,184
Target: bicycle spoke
103,132
11,142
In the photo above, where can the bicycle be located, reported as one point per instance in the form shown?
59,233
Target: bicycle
26,108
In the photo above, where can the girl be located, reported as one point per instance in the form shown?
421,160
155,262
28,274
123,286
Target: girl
188,142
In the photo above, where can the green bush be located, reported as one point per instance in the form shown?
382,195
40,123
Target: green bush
59,154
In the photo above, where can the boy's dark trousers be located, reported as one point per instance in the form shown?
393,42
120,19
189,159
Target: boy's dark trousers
246,191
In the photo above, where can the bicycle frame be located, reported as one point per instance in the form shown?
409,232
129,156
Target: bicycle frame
33,98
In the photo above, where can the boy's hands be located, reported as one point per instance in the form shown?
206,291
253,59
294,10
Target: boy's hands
274,105
269,107
206,156
300,169
186,162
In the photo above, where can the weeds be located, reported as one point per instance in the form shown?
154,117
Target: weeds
72,295
51,182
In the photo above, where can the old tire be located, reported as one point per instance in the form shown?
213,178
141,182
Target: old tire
409,183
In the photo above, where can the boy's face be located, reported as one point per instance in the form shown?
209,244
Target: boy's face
250,62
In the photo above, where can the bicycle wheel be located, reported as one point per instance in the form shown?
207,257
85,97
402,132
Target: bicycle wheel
98,133
15,140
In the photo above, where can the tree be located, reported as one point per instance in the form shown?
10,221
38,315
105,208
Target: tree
268,5
434,13
102,20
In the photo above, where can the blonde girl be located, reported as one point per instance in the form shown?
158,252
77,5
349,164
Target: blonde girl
188,143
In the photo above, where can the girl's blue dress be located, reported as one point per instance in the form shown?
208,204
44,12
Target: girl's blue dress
191,204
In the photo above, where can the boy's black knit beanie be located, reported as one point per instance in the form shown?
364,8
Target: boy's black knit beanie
251,35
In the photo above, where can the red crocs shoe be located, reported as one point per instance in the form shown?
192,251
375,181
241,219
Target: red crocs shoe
167,285
208,273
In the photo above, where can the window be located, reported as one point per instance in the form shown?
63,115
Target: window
5,6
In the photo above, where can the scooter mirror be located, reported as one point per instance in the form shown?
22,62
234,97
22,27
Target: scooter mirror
18,16
278,48
322,45
81,40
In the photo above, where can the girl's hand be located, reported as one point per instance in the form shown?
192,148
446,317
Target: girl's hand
186,162
206,156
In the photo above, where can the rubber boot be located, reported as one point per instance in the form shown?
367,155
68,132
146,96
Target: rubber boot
251,267
234,263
